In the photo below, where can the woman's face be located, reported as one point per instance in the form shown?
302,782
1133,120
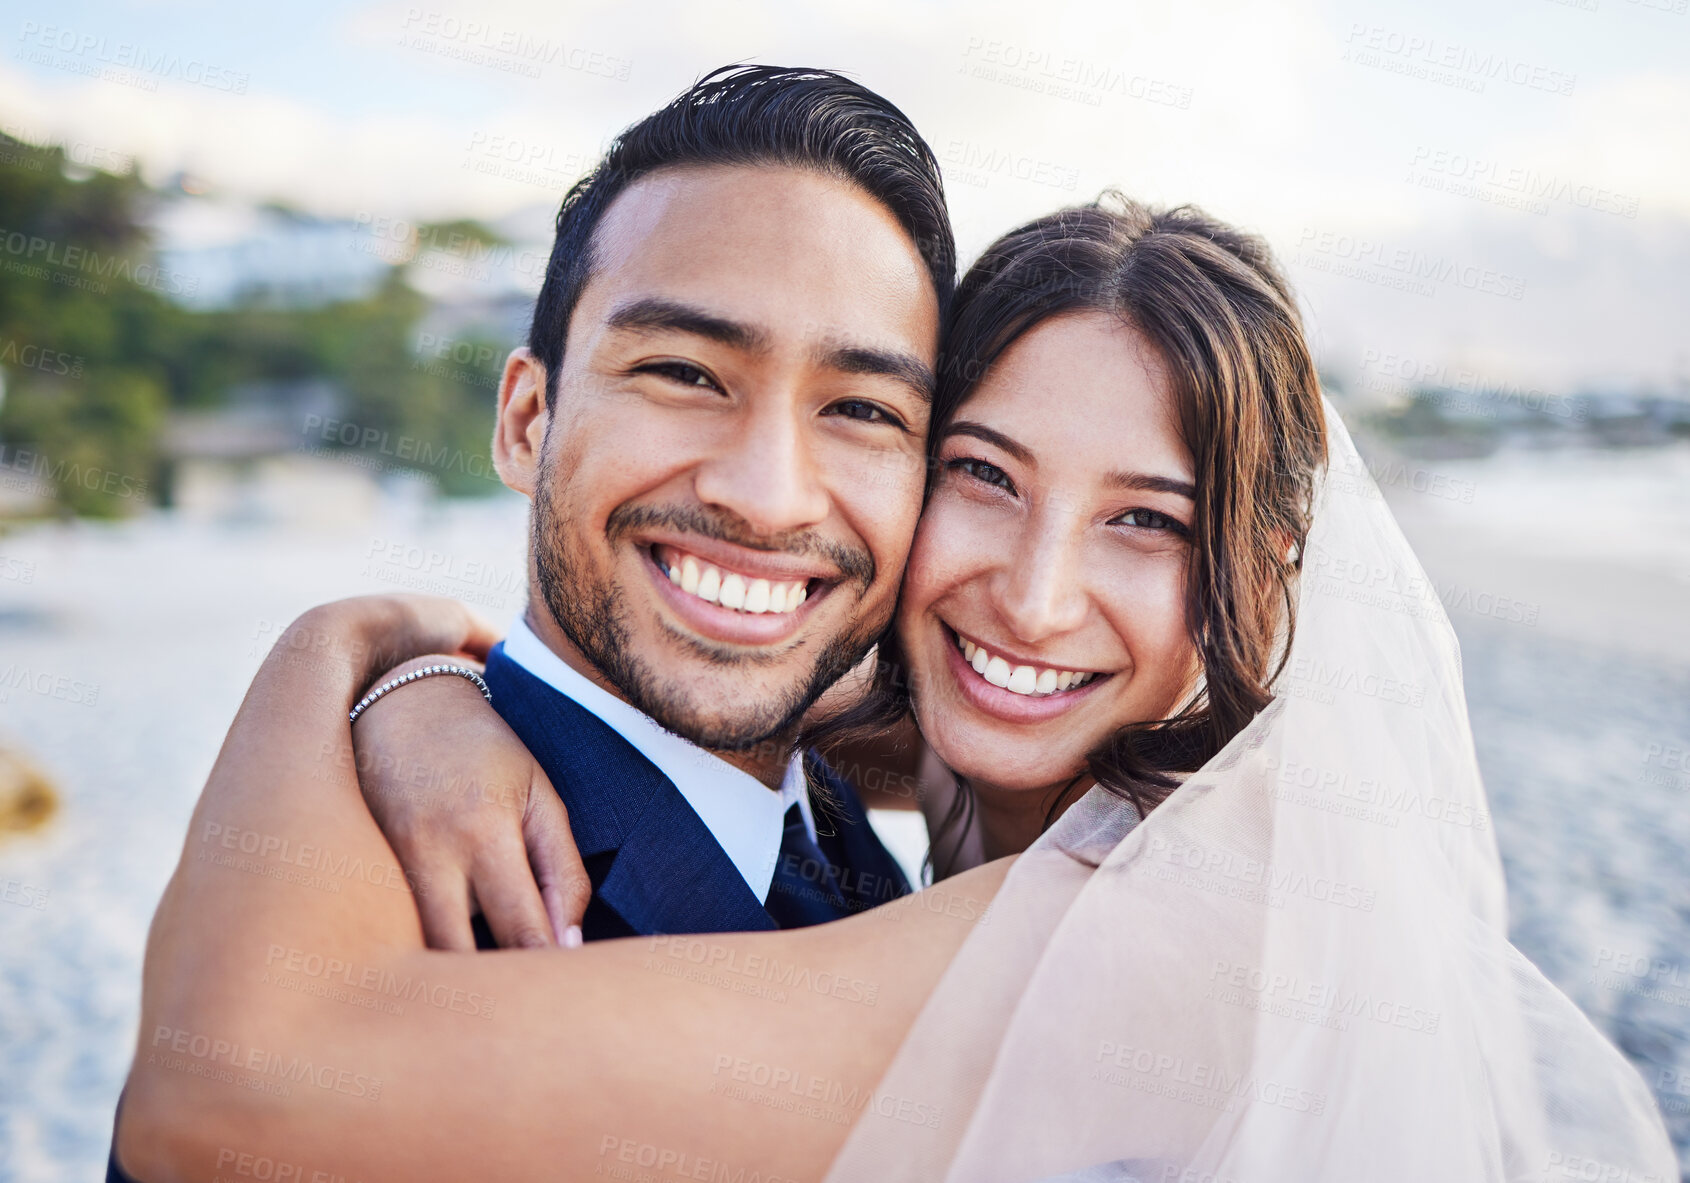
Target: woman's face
1043,606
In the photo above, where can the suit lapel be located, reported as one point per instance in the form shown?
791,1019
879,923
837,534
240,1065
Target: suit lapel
665,873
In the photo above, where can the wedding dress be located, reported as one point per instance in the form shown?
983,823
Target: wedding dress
1295,969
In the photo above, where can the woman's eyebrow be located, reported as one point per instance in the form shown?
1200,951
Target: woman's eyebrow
1140,482
996,438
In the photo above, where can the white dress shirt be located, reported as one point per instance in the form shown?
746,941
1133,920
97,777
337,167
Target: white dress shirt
746,816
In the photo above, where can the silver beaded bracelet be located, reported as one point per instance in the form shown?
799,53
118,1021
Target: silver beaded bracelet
425,672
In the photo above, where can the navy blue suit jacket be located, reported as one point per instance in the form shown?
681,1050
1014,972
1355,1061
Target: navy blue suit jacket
655,866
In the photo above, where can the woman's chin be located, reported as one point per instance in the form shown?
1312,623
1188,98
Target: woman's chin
1004,765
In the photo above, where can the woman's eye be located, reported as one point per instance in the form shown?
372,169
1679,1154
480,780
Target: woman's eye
990,474
1149,519
680,371
864,411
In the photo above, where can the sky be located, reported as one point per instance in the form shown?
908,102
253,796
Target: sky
1490,193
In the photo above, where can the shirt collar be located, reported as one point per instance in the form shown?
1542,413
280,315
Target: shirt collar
747,818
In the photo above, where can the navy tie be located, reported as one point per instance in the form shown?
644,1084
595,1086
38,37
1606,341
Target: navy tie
805,888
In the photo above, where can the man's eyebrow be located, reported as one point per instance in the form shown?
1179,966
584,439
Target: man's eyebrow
1145,483
652,314
906,368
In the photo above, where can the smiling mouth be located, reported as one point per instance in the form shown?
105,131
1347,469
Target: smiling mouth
726,588
1030,681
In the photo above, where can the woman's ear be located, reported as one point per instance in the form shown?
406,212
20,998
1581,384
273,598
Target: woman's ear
1290,550
519,432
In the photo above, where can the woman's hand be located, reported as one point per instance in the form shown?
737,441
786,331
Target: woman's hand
371,633
471,815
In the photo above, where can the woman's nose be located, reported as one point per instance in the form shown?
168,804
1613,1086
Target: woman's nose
1040,589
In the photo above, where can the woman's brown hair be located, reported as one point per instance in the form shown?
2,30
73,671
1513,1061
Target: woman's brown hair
1213,303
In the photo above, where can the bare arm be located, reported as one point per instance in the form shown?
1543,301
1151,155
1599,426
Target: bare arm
290,1009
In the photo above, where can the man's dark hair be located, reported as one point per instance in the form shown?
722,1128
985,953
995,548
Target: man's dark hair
804,118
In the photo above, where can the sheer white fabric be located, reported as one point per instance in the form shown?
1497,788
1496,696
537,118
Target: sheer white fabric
1297,968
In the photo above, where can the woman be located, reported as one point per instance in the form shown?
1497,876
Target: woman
1282,971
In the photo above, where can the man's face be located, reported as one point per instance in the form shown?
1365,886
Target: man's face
727,486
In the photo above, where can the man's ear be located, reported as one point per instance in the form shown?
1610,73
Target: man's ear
519,433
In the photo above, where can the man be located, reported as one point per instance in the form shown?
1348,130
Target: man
720,418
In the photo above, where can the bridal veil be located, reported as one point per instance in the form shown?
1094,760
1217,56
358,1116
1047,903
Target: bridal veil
1296,968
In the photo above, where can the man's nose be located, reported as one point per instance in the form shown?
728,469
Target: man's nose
1039,591
765,472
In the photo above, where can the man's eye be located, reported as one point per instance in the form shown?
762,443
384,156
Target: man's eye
864,411
680,371
990,474
1149,519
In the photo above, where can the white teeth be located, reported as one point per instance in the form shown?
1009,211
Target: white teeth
757,596
736,591
710,584
1021,679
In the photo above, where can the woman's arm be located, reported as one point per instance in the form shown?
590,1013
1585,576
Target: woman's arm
291,1012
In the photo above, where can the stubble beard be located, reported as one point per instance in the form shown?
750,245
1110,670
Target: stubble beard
592,610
